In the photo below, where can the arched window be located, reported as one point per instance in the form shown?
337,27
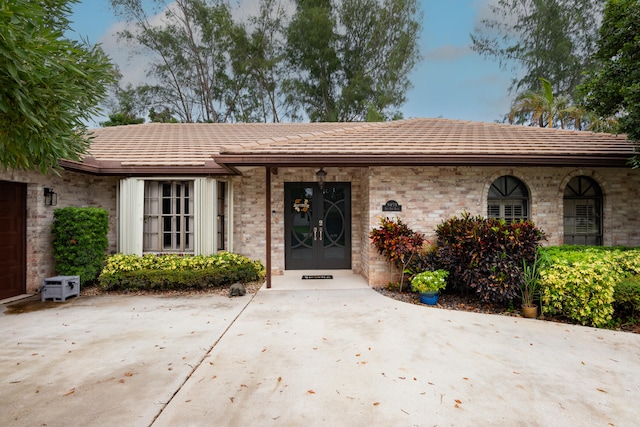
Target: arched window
582,212
508,199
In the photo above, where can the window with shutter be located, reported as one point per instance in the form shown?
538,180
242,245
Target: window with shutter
582,212
508,199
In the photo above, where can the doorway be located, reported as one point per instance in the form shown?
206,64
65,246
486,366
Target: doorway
13,197
317,226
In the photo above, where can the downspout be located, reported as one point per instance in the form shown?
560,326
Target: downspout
267,211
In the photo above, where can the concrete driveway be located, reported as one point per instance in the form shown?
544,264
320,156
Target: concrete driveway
324,352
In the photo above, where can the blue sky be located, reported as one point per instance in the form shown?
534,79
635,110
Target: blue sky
452,81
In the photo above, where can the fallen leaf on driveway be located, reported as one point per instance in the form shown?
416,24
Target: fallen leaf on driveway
73,390
311,392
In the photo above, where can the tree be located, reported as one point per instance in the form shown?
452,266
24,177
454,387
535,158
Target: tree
125,104
49,85
312,50
190,51
332,60
545,109
353,57
260,59
541,38
614,88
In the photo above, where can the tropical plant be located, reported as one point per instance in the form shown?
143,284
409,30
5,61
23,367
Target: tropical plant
544,109
397,242
50,86
484,255
530,281
579,282
429,281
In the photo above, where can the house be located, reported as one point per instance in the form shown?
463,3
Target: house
304,196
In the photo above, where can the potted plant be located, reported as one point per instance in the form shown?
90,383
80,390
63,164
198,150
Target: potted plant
529,287
428,285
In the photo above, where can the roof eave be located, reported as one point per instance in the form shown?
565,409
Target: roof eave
116,168
595,160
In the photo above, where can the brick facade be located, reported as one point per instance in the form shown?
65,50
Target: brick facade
73,189
428,196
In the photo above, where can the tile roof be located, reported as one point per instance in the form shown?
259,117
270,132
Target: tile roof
208,148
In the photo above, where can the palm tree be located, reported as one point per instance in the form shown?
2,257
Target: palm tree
543,108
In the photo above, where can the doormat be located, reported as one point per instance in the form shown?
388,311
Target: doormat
321,276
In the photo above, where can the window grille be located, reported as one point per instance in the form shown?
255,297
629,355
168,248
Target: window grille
168,216
508,199
582,212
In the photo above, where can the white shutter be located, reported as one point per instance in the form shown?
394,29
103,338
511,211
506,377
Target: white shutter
205,201
130,216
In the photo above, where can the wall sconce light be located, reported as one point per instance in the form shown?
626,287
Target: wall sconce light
50,197
321,175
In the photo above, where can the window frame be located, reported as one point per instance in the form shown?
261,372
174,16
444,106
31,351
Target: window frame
508,194
130,218
582,188
168,216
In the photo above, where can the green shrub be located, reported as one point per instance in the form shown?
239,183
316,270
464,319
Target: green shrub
485,255
173,272
80,241
579,282
626,297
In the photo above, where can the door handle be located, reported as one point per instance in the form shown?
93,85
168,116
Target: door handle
320,233
315,233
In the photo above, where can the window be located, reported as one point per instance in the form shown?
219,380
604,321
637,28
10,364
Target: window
222,193
508,199
168,216
582,212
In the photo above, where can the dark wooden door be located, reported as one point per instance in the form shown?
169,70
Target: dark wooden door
317,226
13,197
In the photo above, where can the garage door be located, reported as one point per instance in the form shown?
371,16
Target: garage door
13,198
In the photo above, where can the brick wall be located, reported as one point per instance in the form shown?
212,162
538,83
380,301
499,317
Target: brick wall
73,189
428,196
249,212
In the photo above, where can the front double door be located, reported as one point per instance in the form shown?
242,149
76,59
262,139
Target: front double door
317,226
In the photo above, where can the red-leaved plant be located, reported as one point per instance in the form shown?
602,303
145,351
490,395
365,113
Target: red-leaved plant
397,242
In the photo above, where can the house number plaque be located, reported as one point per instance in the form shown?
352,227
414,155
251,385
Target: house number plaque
391,206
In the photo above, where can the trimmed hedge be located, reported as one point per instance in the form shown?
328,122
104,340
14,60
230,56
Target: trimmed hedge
580,282
175,272
626,296
80,241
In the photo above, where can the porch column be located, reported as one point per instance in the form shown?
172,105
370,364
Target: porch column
267,215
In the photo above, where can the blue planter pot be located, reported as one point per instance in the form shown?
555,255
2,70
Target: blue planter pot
429,298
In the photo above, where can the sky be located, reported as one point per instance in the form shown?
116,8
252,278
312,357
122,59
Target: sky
451,81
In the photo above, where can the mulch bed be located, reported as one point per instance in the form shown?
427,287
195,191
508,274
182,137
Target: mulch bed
251,288
472,304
